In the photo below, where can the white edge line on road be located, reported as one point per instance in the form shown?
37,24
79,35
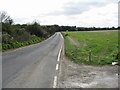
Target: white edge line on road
58,59
57,65
61,35
55,82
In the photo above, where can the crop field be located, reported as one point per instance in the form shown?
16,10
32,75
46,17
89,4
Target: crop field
90,47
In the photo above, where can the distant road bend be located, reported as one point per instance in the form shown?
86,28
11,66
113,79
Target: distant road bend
33,66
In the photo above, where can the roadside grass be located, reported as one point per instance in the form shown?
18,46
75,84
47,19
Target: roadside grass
95,48
12,45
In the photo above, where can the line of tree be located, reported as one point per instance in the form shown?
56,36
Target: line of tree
74,28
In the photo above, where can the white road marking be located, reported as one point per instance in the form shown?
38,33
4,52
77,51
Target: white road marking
58,59
55,82
57,65
61,35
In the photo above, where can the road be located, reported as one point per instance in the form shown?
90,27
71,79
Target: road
34,66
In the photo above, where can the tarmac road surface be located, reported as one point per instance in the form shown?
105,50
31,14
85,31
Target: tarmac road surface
33,66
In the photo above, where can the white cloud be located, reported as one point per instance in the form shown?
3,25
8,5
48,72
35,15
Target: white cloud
100,17
103,16
26,8
63,12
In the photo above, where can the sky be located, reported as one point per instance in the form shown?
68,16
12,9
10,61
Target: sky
80,13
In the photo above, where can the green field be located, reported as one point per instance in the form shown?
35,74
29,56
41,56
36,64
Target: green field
96,48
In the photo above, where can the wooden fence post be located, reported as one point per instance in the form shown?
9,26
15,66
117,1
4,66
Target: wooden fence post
90,56
76,51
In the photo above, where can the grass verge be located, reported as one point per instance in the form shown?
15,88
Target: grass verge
12,45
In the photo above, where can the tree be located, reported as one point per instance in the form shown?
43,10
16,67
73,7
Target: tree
35,29
5,18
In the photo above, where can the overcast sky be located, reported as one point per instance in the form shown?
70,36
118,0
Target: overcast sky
84,13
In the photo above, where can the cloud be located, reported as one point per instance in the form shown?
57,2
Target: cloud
73,8
119,14
105,16
102,16
78,7
17,20
63,12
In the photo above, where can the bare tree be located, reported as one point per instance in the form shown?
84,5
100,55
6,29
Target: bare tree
5,18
